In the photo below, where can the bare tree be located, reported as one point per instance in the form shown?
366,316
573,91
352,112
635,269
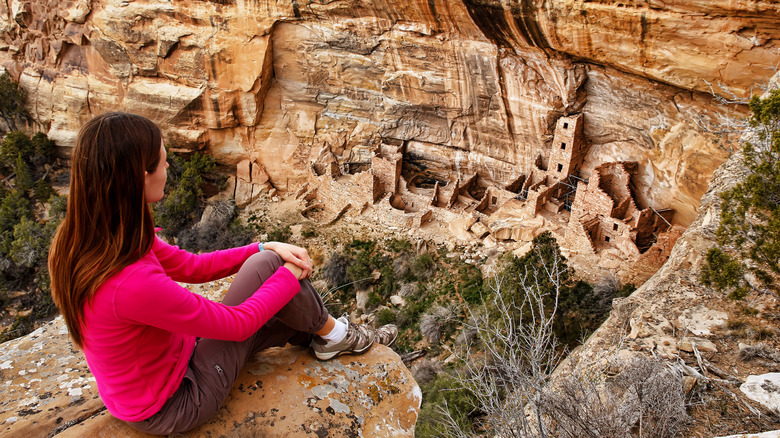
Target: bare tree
512,357
509,366
645,399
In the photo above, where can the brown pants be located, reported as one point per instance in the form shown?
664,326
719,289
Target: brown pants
215,365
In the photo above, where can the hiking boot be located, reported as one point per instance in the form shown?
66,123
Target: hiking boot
357,341
386,335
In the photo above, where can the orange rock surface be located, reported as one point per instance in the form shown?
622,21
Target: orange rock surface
473,87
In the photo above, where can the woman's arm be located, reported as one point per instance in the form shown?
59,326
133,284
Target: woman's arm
184,266
150,297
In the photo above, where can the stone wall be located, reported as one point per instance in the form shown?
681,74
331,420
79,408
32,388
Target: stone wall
387,173
568,148
604,213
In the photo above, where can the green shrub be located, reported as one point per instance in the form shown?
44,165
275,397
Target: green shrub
409,316
720,270
15,144
57,206
625,290
24,237
373,300
460,403
423,267
45,149
183,202
362,261
750,217
359,271
471,283
387,285
24,178
281,233
19,153
578,310
30,245
357,245
42,190
401,245
12,101
13,208
383,317
739,293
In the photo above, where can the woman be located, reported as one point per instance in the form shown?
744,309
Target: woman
164,358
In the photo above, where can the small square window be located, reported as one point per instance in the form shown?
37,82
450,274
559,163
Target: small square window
563,146
565,125
560,167
606,238
614,227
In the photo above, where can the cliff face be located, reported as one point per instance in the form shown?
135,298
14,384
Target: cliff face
469,86
697,330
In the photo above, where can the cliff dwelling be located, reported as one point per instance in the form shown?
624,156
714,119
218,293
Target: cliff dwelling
591,215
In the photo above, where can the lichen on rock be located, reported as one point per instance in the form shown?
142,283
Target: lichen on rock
47,390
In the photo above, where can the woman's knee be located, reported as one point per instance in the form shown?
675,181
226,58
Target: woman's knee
265,259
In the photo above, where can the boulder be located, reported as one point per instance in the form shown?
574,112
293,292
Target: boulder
702,345
765,389
48,391
480,230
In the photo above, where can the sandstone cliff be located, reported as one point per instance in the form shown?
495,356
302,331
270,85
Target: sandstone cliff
469,86
47,390
675,318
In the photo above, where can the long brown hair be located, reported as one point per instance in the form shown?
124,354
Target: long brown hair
108,224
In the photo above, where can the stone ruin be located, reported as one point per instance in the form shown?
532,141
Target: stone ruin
588,214
604,213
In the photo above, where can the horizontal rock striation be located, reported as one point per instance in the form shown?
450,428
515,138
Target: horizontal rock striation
470,87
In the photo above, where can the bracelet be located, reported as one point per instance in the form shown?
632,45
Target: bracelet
260,245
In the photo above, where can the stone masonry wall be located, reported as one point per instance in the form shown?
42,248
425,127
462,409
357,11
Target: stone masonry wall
568,148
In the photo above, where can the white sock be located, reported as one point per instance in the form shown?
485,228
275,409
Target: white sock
338,333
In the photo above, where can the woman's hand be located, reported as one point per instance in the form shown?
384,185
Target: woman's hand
296,271
292,254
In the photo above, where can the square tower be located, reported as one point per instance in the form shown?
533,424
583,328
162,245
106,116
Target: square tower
568,148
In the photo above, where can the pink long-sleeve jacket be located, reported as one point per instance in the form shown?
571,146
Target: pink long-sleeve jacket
140,328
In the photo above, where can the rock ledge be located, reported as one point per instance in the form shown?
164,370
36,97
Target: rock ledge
48,391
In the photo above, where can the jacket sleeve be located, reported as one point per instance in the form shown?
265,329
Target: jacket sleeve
152,298
184,266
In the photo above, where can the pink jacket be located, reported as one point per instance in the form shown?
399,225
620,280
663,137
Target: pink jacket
141,326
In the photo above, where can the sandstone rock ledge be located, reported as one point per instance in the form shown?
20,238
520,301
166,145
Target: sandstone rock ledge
47,390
